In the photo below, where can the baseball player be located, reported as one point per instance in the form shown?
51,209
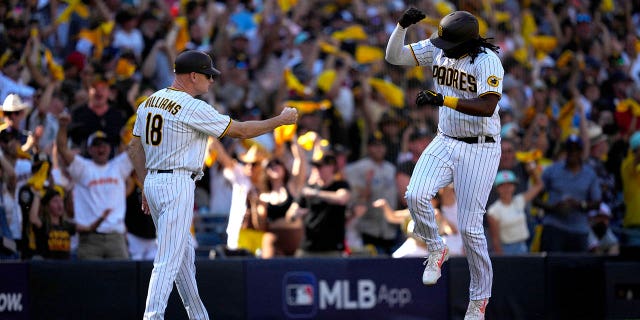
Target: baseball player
467,79
168,150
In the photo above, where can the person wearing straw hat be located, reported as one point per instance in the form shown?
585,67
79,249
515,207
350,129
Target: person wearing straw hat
14,111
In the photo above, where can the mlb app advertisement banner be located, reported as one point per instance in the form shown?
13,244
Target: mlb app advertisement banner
343,289
14,300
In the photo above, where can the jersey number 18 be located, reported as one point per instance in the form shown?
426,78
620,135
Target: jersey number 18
153,129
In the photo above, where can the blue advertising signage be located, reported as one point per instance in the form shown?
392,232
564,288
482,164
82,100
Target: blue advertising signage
343,289
14,299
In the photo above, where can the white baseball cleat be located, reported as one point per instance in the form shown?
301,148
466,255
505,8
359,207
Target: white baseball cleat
434,263
475,310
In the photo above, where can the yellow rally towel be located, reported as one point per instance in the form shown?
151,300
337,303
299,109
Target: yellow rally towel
5,57
368,54
502,16
607,6
284,133
99,37
126,134
325,80
565,119
76,6
38,179
537,239
307,140
326,47
250,239
22,154
483,26
183,34
564,59
55,69
354,32
125,69
304,106
416,73
391,93
444,7
544,43
529,156
294,83
286,5
211,158
528,25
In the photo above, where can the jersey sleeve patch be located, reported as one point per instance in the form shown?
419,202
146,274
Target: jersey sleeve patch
493,81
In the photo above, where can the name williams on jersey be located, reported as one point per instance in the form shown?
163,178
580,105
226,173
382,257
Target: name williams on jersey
455,78
163,103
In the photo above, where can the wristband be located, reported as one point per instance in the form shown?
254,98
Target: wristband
450,102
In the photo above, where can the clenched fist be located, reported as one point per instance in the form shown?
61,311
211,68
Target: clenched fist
289,115
428,97
411,16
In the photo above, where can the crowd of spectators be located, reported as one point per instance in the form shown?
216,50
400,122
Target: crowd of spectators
570,112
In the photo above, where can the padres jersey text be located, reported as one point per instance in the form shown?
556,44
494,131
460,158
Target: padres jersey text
460,78
174,127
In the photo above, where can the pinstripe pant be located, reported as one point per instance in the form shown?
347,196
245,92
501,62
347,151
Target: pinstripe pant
472,169
171,198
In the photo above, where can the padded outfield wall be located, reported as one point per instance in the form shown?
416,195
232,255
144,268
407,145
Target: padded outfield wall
528,287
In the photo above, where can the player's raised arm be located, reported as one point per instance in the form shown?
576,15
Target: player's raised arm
250,129
397,53
61,139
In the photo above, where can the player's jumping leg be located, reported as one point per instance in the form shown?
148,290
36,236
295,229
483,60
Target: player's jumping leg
472,183
432,172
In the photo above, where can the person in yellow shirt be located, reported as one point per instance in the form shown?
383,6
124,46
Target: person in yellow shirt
630,172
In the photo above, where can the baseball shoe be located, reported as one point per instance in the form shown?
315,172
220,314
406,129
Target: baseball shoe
434,263
475,310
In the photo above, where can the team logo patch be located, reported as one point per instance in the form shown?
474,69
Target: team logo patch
493,81
439,30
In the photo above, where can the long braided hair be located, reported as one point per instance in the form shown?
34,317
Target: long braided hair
472,47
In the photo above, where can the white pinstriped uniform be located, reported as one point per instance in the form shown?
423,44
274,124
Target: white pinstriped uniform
471,167
173,128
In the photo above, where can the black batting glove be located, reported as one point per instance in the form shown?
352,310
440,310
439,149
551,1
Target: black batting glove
429,97
411,16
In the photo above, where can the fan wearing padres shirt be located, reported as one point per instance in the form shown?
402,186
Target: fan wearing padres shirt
467,80
168,150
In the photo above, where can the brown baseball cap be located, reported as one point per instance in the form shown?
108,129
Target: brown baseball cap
195,61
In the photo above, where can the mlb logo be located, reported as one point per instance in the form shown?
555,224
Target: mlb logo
299,295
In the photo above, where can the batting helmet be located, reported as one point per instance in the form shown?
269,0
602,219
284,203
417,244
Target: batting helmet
454,29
